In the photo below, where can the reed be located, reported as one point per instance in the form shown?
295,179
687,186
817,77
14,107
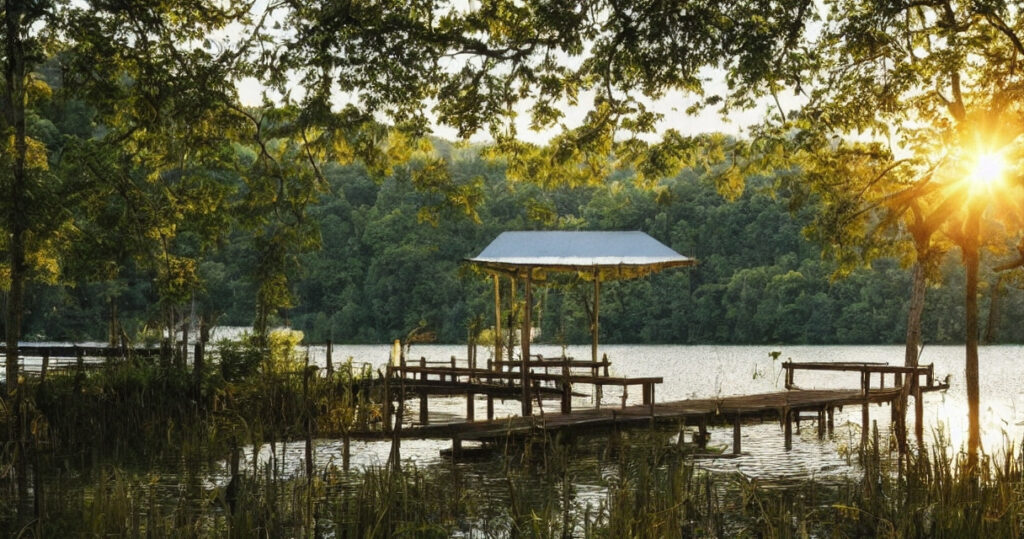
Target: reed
132,450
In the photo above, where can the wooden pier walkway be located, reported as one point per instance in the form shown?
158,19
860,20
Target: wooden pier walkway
788,407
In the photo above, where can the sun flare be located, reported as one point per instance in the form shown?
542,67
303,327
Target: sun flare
987,169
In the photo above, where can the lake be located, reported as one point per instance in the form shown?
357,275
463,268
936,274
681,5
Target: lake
710,371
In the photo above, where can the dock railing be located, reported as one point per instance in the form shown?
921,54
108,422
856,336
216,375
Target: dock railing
866,370
457,379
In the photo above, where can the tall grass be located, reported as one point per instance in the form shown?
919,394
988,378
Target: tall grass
132,450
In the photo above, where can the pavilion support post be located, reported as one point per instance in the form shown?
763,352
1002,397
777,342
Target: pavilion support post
497,318
514,287
490,407
595,323
595,332
831,419
525,343
821,424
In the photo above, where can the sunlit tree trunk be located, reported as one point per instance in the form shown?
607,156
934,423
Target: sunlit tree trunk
917,297
971,263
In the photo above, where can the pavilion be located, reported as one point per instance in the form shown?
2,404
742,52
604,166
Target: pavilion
528,256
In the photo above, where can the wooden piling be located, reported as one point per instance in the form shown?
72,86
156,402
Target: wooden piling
527,334
330,363
702,432
424,419
865,427
788,428
736,448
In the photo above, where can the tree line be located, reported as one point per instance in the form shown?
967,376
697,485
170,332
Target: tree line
391,258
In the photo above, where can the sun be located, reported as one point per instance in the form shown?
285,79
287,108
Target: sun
987,169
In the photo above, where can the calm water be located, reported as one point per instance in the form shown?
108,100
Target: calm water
710,371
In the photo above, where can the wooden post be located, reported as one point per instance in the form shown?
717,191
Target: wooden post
526,334
702,432
330,363
46,365
470,411
864,423
497,320
821,424
490,407
306,372
594,326
649,395
456,448
594,334
788,428
831,419
918,413
424,419
387,398
736,435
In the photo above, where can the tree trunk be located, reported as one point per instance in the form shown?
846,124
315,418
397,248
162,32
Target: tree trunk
917,297
14,116
13,103
971,263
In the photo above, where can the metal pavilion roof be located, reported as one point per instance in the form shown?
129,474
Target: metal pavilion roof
614,254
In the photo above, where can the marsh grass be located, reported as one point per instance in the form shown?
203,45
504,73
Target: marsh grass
132,451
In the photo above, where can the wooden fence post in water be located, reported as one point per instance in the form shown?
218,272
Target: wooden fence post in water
424,418
46,365
702,432
788,427
308,423
865,427
330,363
386,405
736,448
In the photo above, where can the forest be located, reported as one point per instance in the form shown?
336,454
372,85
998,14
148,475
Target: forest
388,258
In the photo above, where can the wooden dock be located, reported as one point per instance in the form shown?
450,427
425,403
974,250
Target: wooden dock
787,407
